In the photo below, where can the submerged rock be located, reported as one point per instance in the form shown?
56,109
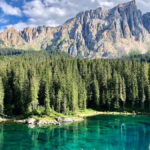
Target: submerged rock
2,119
64,120
59,119
31,126
31,121
67,120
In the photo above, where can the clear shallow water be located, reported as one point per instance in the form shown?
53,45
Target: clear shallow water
95,133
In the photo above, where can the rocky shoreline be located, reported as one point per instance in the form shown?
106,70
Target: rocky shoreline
33,121
41,122
59,121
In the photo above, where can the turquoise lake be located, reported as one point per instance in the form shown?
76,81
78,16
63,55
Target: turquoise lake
105,132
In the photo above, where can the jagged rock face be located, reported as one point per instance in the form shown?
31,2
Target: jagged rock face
146,21
130,21
92,34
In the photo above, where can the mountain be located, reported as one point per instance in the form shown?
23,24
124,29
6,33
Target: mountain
91,34
146,21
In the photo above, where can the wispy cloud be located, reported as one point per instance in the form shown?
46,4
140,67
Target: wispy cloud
9,10
40,13
3,20
19,26
52,12
105,3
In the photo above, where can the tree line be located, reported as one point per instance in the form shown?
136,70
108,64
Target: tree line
40,83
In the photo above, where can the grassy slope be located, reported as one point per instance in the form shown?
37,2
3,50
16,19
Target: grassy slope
78,116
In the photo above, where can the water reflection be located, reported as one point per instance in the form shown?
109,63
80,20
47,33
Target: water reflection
99,133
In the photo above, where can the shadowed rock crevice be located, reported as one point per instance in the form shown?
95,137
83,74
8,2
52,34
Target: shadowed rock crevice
91,34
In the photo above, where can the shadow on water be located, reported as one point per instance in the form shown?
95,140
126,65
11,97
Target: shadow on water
145,123
100,132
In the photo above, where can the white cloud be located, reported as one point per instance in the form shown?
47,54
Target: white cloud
37,9
40,13
2,29
50,1
56,12
9,10
19,26
3,20
106,4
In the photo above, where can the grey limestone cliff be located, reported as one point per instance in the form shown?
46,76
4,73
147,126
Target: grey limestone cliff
91,34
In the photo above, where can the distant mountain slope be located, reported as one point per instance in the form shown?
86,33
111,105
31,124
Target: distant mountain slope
91,34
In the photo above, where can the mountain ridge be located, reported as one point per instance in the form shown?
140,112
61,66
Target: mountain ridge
95,33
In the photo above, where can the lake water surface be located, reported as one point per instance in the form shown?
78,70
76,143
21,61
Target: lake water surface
105,132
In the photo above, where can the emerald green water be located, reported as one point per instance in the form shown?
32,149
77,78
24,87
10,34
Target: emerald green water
95,133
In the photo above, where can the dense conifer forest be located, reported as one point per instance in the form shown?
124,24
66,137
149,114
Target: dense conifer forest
38,82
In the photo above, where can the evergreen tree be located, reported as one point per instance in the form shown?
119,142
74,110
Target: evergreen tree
96,94
1,97
74,97
68,84
115,91
59,101
47,99
123,92
33,94
82,95
148,96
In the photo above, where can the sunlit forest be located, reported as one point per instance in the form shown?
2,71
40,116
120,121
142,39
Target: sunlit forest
38,82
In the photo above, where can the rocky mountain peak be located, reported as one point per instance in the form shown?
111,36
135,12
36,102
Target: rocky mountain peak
91,34
130,17
128,4
11,29
146,21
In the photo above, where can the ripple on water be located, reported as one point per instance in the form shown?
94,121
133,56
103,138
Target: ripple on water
95,133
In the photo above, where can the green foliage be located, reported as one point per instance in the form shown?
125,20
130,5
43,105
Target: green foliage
30,48
1,97
2,42
96,94
139,57
41,83
134,52
10,52
80,55
56,44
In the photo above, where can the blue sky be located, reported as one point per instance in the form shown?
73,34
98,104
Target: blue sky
23,13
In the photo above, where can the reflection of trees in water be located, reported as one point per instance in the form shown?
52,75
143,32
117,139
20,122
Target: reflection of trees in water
1,136
108,132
